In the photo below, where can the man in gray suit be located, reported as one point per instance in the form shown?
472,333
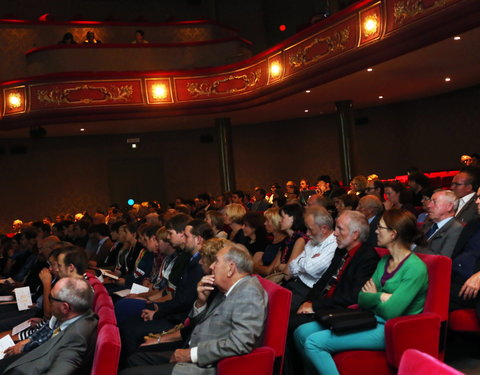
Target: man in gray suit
464,185
229,324
65,345
443,231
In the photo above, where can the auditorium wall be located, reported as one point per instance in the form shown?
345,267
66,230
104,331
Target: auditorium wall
71,174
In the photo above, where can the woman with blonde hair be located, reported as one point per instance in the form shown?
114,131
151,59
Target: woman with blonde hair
233,216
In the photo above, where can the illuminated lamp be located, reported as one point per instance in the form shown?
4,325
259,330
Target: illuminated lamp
159,91
275,69
370,25
282,27
14,100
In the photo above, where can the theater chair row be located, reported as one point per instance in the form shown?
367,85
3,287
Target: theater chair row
107,350
424,332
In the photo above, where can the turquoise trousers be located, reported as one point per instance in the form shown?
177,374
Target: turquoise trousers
317,344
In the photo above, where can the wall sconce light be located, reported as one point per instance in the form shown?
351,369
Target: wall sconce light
370,25
14,101
275,69
159,91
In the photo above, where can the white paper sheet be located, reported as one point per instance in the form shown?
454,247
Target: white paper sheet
122,293
24,298
137,289
22,326
5,343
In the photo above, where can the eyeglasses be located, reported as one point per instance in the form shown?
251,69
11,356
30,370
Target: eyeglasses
382,227
52,298
457,184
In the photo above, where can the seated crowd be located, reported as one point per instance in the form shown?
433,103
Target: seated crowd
196,261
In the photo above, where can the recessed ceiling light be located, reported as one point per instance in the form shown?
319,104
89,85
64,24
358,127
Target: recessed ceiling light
82,129
448,79
370,70
307,91
134,145
380,97
456,38
306,111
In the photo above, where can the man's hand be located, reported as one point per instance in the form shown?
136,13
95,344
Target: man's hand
306,308
181,355
151,341
471,287
204,288
147,315
16,349
45,276
369,287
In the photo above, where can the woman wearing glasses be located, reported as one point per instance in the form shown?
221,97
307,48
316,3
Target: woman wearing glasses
398,287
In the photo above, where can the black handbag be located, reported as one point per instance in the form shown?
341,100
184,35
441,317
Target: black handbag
346,320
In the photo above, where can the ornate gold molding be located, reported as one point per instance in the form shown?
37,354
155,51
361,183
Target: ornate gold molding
334,43
59,96
406,9
205,88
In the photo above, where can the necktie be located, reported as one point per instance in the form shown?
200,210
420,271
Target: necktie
431,231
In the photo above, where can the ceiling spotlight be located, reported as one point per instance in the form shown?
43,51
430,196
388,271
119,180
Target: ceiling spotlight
82,129
306,111
380,97
307,91
134,145
370,70
456,38
448,79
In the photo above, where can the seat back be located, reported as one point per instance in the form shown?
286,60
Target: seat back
438,294
106,315
415,362
107,351
276,325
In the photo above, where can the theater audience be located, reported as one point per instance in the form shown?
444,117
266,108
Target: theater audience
215,219
398,287
261,203
443,229
313,261
464,185
375,187
371,206
90,38
233,216
264,261
417,183
254,230
139,37
352,265
67,39
358,186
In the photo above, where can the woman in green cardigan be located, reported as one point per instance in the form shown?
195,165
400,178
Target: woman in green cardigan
398,287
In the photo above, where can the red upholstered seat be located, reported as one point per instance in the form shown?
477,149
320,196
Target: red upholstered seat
464,321
102,299
267,359
422,331
106,315
415,362
107,351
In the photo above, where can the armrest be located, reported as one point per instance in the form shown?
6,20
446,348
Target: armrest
421,332
259,362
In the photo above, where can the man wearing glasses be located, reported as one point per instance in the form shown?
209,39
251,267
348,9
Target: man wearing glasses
66,344
464,185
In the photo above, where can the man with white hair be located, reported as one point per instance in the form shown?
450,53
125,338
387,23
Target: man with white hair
442,233
315,258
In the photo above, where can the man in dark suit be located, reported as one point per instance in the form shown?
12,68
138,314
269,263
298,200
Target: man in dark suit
466,268
372,207
442,232
464,185
71,331
229,324
101,233
352,265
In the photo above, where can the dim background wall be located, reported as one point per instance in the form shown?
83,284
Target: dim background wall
58,175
